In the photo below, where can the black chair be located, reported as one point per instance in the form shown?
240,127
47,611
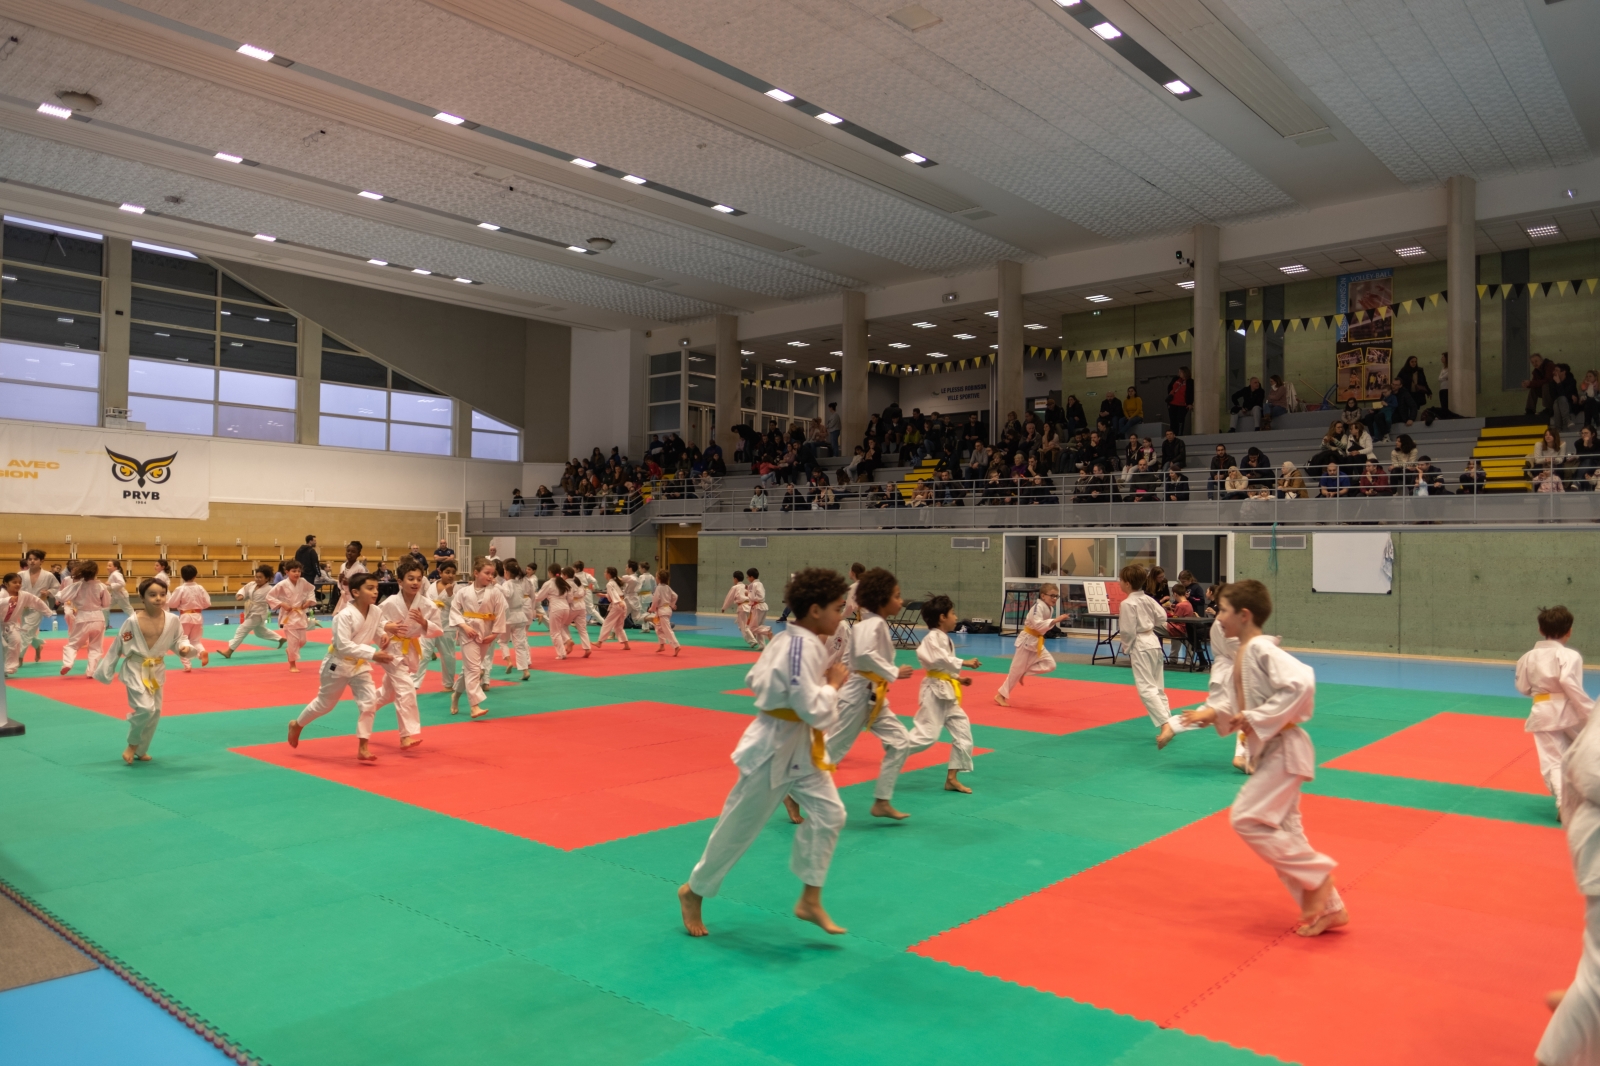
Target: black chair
902,627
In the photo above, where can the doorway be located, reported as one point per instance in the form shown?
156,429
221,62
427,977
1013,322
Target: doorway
702,426
1151,375
679,549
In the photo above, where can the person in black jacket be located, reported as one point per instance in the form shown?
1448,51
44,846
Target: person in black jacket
1218,472
1247,403
1174,485
306,556
1173,450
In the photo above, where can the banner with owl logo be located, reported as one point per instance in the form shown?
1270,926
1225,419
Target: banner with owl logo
57,470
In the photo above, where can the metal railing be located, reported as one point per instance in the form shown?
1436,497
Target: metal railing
673,500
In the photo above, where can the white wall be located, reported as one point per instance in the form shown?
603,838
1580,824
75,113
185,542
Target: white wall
601,392
963,391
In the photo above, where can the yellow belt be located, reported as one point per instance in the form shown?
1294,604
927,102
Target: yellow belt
408,645
147,674
954,679
880,693
819,742
480,617
1541,697
1040,646
354,662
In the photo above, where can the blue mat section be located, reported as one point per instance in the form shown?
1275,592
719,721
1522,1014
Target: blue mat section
94,1019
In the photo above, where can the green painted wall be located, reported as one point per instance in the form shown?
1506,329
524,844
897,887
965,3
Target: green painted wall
1468,594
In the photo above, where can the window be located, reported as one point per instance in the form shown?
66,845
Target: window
665,413
364,404
40,384
494,440
773,402
50,285
174,397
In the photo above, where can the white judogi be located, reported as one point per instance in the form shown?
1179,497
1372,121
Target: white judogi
1573,1036
662,604
1279,694
444,645
647,587
401,677
630,596
577,613
1552,674
591,603
838,645
1030,656
141,666
1220,686
44,587
757,593
187,601
254,616
346,571
12,612
939,701
291,599
86,604
556,604
1140,619
616,615
738,598
117,585
864,702
349,665
518,609
478,615
782,752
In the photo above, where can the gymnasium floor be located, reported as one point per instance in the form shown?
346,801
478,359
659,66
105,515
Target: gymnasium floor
507,895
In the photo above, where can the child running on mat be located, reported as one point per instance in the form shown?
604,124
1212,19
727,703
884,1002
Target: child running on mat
1572,1038
188,601
86,602
939,699
408,618
1139,619
292,598
662,604
254,612
14,603
478,616
1552,674
138,658
1030,656
616,612
357,628
864,700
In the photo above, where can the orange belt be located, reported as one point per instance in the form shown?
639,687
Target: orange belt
819,742
1541,697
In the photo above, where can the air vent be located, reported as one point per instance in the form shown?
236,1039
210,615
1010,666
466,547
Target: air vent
752,542
1285,541
973,543
549,542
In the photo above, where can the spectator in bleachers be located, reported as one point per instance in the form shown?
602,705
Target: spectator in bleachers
544,501
1374,480
1173,450
1589,398
1132,409
1563,396
1180,399
1235,486
1472,478
1076,419
1430,479
1175,484
1414,379
1587,450
1246,403
1334,482
1537,383
1220,463
758,500
1291,484
1550,453
517,503
1403,464
996,491
1547,480
1143,484
1257,467
1050,448
1277,397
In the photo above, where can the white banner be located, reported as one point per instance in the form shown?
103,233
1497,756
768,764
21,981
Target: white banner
961,390
56,470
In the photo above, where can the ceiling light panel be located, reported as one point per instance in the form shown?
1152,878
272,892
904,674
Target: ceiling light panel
1130,49
1295,268
228,157
255,53
1185,284
55,110
1105,31
454,120
923,325
966,336
1544,231
1411,251
1098,298
799,344
898,344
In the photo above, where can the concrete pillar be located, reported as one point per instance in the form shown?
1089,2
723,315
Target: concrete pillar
1008,357
1461,278
117,313
308,416
728,377
853,412
1208,366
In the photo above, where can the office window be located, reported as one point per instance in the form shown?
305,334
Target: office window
366,405
492,439
40,384
175,397
50,284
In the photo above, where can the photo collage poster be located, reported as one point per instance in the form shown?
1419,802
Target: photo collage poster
1364,352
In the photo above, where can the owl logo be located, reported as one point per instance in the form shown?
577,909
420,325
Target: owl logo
155,471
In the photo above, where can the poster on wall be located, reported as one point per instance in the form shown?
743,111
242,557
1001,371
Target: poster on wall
1364,351
963,390
1352,562
51,470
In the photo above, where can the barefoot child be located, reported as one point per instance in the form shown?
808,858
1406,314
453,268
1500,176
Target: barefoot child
43,584
86,602
291,598
1030,656
1219,688
591,604
1139,619
1552,674
441,592
138,659
616,611
351,566
864,700
576,615
15,603
630,594
1273,694
516,592
117,585
408,618
738,598
254,612
661,606
553,594
939,699
1572,1037
188,600
757,598
357,628
478,616
782,751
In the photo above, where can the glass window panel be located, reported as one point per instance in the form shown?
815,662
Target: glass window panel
172,379
172,272
662,389
345,400
235,291
352,433
333,343
54,366
748,398
41,403
52,290
48,248
483,421
702,390
494,446
252,423
404,384
354,370
665,363
409,407
64,329
775,401
259,322
700,363
663,418
428,440
260,356
805,405
151,305
172,416
164,342
262,390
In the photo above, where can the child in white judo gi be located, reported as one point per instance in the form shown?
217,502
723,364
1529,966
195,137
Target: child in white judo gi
1140,620
1220,686
357,629
1030,656
1273,695
662,604
591,602
1572,1037
864,700
738,598
756,597
441,592
478,616
939,698
43,584
254,612
519,607
1552,674
292,598
407,619
616,611
86,602
631,582
852,613
351,566
784,750
553,594
138,659
576,612
187,601
15,603
117,585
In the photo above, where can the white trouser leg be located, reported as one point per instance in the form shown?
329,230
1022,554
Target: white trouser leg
935,714
852,720
144,714
560,638
746,811
256,626
11,637
1266,815
578,619
445,646
591,611
191,633
743,617
30,633
92,639
296,639
330,687
474,656
1572,1038
612,626
517,636
758,627
891,732
664,633
69,650
400,689
1149,675
1552,744
1022,661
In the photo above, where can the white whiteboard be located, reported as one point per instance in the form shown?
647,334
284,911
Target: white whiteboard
1352,562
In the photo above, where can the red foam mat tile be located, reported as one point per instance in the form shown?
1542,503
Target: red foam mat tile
1459,927
568,778
1458,749
610,660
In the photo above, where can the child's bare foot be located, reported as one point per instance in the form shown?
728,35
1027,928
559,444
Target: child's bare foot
809,909
794,810
952,783
677,651
689,902
1240,765
626,646
885,809
294,733
407,743
1324,923
455,704
294,668
65,670
586,652
128,756
1164,737
186,669
659,649
281,642
144,758
524,675
1552,1000
226,653
479,711
364,753
1000,701
205,658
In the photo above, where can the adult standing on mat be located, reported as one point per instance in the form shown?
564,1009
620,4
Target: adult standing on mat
306,556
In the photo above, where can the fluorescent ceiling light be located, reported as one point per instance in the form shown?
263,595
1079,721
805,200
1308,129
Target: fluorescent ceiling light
634,179
779,95
585,163
56,111
445,116
923,325
1544,231
1069,3
880,362
465,281
836,353
132,209
227,312
1185,284
233,344
1097,298
775,374
265,237
64,319
54,228
992,314
1177,87
228,157
914,157
368,194
575,248
258,318
824,369
724,208
937,355
1105,31
830,118
784,361
1038,325
13,277
255,53
379,262
994,346
799,344
160,334
419,270
898,344
487,225
966,336
1413,250
1295,268
746,351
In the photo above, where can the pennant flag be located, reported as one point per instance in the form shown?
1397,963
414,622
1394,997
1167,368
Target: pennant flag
1591,283
1545,288
1433,300
1338,320
1276,323
1561,288
1481,290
